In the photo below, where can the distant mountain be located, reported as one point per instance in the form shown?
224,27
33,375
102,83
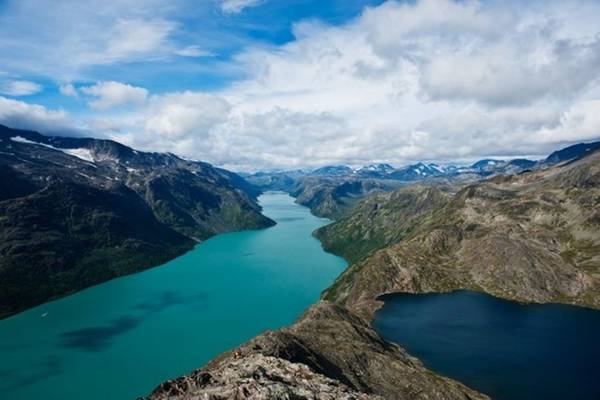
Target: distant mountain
374,171
75,212
333,170
538,226
274,180
571,152
418,171
493,167
320,189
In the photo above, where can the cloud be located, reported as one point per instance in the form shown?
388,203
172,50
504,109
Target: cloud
97,35
68,90
131,39
435,80
19,114
404,81
236,6
194,51
19,88
581,122
111,94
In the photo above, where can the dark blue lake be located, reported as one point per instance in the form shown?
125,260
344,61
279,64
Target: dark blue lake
504,349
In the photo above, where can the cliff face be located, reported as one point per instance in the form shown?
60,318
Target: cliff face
329,353
77,212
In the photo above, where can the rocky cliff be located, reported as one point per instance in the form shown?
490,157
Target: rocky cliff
77,212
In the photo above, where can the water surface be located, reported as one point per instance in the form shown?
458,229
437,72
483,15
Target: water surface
120,339
504,349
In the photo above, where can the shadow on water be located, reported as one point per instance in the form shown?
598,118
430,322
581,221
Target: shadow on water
289,219
98,338
47,367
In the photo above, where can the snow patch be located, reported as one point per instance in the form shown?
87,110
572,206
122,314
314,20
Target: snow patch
84,154
21,139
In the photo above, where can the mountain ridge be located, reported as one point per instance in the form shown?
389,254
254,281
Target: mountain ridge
81,211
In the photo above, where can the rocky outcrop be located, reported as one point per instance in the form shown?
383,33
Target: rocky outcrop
77,212
328,353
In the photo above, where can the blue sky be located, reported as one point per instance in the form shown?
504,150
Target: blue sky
251,84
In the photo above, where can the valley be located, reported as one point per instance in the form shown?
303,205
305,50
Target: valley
530,237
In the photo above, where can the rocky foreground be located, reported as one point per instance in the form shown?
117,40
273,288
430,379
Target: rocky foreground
329,353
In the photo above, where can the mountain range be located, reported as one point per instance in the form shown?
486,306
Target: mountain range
331,191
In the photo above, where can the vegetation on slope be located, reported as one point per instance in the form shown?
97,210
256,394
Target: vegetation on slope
70,221
534,237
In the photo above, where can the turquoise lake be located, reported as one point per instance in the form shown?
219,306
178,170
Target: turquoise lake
120,339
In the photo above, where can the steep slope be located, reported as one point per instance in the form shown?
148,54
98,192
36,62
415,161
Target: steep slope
382,219
533,238
76,212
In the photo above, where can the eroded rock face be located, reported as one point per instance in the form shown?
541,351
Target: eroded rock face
328,352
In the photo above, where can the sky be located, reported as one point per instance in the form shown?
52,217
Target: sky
266,84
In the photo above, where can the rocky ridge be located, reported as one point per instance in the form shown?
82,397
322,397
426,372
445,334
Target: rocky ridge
328,353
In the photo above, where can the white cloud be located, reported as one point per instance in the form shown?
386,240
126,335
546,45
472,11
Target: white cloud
35,39
19,88
110,94
131,39
435,80
236,6
68,90
429,80
581,122
179,114
194,51
20,114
